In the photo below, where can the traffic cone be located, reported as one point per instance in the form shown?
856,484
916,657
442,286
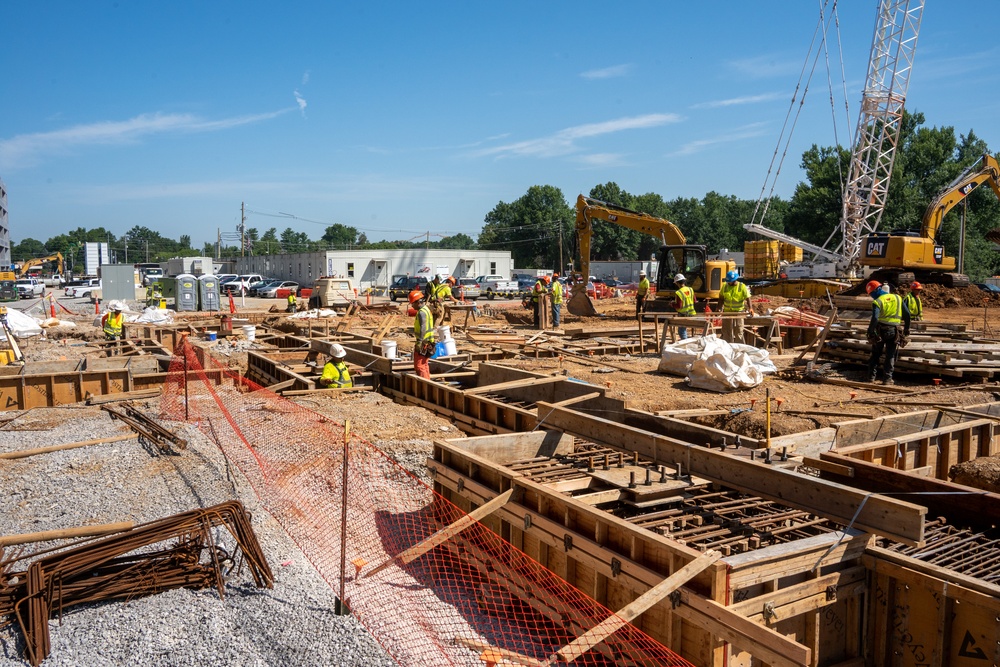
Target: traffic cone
97,308
232,304
52,307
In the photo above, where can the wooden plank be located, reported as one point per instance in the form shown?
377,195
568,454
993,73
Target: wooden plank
636,608
890,517
24,453
795,593
446,533
325,390
578,399
516,384
65,533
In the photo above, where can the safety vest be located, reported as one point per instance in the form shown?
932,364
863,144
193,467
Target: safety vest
113,323
890,309
428,333
538,290
734,297
336,373
643,287
291,298
685,296
915,306
556,293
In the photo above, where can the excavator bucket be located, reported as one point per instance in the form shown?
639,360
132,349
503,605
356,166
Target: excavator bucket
580,304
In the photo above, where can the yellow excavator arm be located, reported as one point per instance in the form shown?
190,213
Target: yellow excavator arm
985,170
38,261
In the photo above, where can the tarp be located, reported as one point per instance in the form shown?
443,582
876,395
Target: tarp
711,363
23,325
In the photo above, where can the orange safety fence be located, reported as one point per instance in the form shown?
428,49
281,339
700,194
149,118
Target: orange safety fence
451,605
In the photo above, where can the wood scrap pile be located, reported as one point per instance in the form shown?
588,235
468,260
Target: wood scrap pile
940,350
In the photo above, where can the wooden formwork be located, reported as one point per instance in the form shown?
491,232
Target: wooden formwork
800,602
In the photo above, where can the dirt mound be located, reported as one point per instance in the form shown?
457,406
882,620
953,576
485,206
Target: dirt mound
939,296
982,473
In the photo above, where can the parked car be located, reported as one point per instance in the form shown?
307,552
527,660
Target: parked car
240,284
84,292
29,288
467,287
226,277
987,287
262,285
272,292
73,288
526,284
403,285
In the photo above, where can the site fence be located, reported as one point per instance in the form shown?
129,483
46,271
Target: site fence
360,518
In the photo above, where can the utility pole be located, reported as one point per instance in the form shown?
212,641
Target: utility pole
218,243
559,265
243,220
427,243
146,243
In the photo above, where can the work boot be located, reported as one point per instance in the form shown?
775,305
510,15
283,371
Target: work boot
889,381
871,379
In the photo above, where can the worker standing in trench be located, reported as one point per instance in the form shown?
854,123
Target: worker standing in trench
423,330
112,323
888,329
734,297
335,372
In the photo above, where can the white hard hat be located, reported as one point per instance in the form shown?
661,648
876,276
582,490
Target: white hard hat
337,351
679,278
642,273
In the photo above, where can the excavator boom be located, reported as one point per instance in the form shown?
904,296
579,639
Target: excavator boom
38,261
985,170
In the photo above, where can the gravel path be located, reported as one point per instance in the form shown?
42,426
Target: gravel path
293,624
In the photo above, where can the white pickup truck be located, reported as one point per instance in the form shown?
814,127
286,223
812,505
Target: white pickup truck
493,286
29,288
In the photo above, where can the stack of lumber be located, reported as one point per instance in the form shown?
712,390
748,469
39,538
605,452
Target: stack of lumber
940,350
788,316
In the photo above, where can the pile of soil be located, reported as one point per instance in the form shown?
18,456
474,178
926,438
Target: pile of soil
982,473
939,296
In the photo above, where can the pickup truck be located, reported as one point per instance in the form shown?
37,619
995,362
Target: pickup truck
29,288
54,280
493,286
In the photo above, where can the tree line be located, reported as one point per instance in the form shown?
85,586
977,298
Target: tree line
538,227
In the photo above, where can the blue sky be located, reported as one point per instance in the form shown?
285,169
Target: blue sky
403,119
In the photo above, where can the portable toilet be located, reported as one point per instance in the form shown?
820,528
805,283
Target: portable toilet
208,292
186,292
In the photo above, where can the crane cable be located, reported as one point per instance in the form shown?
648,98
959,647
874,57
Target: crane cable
823,26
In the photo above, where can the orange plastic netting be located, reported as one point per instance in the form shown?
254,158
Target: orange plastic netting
445,607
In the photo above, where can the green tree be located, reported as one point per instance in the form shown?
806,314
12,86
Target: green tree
531,227
339,236
293,241
457,242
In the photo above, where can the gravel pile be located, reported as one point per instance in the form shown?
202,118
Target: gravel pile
293,624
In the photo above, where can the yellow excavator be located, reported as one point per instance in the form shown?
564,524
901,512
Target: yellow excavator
902,256
38,261
705,276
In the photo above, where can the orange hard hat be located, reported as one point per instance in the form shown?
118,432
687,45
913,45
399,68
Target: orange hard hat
872,286
415,295
451,279
916,285
555,275
546,279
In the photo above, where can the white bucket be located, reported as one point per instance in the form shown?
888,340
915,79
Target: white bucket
389,349
444,332
250,332
449,347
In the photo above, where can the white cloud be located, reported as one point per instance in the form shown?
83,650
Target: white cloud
26,150
602,160
305,77
607,72
765,66
746,132
563,142
735,101
301,101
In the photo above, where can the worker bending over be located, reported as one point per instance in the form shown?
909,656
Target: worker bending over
913,302
335,372
113,324
683,302
888,329
640,293
423,330
557,299
437,292
734,297
541,287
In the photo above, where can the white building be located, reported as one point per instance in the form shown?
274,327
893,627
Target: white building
377,268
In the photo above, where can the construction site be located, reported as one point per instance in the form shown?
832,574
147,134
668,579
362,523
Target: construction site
546,497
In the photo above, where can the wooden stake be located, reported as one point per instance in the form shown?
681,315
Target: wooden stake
65,533
24,453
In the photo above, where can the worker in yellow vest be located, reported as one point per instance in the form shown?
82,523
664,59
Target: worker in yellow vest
423,330
683,302
888,329
913,302
540,288
335,372
734,297
557,300
113,324
292,302
641,293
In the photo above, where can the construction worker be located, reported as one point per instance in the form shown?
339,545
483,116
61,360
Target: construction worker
557,299
913,302
683,302
423,330
540,288
113,322
293,302
888,329
335,372
734,297
153,295
641,293
438,291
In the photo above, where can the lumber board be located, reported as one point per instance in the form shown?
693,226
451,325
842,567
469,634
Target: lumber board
516,384
898,519
901,566
65,533
783,599
24,453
